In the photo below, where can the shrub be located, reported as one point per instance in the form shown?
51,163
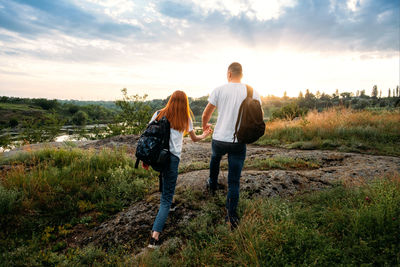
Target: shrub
80,118
9,200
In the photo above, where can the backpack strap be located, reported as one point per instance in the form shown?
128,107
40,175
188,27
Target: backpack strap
249,91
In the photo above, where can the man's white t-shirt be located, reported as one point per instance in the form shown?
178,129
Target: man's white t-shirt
228,98
175,138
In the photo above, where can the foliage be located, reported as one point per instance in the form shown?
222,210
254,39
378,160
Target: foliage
134,116
80,118
42,130
9,200
58,186
289,112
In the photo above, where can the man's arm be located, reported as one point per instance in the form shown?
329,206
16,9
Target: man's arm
208,111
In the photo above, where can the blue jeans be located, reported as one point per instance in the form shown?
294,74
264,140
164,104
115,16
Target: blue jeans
169,177
236,155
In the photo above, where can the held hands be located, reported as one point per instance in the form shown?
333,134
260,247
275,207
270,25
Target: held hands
207,126
207,132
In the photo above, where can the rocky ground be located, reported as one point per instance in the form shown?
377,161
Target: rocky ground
134,223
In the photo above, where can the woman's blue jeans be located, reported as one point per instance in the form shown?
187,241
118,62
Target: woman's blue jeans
236,156
169,177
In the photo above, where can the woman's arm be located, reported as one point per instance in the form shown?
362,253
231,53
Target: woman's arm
196,138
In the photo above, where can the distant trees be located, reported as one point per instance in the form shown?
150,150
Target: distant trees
374,93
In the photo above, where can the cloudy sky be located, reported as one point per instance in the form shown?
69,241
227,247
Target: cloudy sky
91,49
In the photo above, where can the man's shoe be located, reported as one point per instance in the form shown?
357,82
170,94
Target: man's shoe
154,243
212,190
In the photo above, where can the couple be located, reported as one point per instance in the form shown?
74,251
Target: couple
227,99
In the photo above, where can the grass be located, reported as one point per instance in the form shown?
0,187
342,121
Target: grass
65,187
341,226
375,132
48,192
19,107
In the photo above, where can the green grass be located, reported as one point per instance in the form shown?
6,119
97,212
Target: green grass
58,187
19,107
341,226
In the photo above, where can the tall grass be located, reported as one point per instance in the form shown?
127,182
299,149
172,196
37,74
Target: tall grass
346,129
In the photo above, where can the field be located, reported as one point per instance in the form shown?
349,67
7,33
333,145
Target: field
85,204
374,132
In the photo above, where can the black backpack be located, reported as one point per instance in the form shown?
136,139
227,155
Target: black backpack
250,119
153,145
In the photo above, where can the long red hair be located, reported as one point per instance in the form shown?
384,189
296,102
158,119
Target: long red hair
177,112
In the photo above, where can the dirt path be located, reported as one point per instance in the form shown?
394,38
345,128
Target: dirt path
134,223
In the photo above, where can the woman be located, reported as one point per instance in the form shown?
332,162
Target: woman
179,115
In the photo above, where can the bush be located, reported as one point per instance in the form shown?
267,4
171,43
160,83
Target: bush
9,200
289,112
13,122
80,118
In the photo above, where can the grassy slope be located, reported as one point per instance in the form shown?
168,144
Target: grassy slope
19,112
49,191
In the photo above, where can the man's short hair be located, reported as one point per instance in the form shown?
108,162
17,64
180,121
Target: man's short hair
236,69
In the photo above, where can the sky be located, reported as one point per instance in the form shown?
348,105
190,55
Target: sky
91,49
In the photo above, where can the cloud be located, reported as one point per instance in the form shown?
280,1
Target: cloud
115,30
39,17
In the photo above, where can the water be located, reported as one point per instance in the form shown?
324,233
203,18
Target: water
66,134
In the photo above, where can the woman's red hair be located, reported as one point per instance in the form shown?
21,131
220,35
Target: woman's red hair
177,112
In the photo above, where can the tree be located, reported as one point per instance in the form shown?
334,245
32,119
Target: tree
285,97
73,109
135,113
80,118
362,94
397,91
346,95
380,93
300,95
46,104
389,92
374,93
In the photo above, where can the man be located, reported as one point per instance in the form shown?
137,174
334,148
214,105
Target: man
227,99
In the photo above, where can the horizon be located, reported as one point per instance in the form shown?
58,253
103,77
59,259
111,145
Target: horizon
89,50
196,98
